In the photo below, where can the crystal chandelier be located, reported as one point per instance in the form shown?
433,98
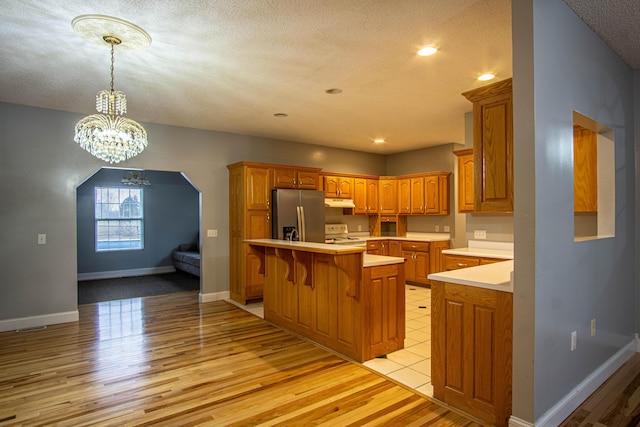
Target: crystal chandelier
109,135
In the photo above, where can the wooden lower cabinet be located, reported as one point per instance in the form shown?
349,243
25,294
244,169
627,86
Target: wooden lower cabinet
472,338
416,255
334,301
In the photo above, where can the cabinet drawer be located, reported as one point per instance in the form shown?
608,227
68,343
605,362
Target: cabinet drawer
415,246
452,262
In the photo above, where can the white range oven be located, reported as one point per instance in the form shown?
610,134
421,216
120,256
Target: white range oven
338,234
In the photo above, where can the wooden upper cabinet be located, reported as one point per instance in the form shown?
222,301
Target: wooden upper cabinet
372,196
418,196
585,170
404,196
465,181
493,146
388,196
338,187
431,195
365,196
295,178
258,190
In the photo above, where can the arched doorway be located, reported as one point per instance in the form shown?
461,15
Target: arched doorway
126,234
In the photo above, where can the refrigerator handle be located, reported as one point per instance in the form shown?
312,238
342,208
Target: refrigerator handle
301,225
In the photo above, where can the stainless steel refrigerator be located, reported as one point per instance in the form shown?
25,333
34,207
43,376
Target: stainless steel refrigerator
298,215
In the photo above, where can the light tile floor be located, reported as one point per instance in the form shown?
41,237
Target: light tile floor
410,366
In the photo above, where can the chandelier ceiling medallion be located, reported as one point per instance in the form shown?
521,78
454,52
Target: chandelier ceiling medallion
109,135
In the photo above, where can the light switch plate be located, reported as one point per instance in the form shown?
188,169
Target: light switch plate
212,233
42,239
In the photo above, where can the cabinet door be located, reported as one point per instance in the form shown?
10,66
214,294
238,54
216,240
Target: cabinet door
338,187
471,351
258,190
360,196
307,180
585,170
421,266
493,146
432,195
404,196
409,265
372,196
258,227
284,178
384,313
394,248
388,196
435,256
417,196
465,181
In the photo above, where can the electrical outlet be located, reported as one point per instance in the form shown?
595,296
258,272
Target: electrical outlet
437,228
574,340
42,239
479,234
593,327
447,229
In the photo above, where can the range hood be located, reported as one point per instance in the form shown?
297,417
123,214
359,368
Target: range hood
339,203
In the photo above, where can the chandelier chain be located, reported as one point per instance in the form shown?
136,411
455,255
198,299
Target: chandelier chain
112,65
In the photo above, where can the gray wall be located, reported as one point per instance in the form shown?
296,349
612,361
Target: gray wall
41,167
561,68
171,217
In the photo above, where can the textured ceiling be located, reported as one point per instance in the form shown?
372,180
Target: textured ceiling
617,22
230,65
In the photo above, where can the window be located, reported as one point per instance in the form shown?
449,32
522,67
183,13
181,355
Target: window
119,219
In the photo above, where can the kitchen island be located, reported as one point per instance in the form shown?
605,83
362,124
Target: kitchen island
472,339
337,296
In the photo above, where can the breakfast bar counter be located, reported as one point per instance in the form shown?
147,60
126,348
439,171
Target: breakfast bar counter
337,296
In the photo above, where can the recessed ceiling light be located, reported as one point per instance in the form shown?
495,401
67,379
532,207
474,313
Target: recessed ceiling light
333,91
486,76
427,51
378,141
280,115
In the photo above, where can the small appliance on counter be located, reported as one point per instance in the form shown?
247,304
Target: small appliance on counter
339,235
298,215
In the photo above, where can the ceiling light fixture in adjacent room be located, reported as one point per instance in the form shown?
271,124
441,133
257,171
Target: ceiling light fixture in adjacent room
379,141
427,51
109,135
135,178
486,76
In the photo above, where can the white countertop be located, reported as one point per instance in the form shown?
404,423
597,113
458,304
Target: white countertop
497,276
425,237
369,260
483,248
375,260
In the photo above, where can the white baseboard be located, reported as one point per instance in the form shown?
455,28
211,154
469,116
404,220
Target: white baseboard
114,274
38,321
517,422
215,296
560,411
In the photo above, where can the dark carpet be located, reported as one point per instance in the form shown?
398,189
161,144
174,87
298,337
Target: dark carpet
93,291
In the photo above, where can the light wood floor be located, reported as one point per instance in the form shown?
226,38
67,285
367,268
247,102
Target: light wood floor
167,360
615,403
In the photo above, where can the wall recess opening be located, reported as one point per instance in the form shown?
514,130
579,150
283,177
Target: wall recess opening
593,179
